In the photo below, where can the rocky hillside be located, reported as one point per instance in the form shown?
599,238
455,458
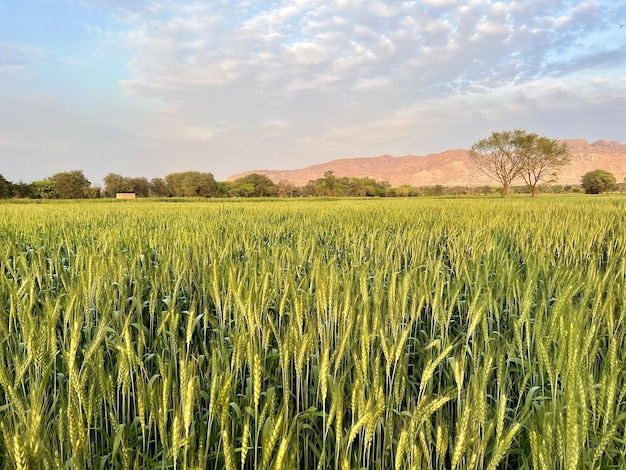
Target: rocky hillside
453,167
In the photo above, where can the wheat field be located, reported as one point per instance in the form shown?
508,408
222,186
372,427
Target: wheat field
338,334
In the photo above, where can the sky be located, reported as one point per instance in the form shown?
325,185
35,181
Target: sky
148,88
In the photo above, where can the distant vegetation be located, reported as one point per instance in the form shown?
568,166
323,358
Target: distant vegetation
74,185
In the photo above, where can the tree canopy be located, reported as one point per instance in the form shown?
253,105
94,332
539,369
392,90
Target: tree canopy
67,185
253,185
5,188
191,184
114,183
598,181
507,155
541,157
500,156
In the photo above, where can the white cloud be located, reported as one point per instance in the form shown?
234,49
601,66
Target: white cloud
308,53
265,60
602,82
339,42
441,3
236,84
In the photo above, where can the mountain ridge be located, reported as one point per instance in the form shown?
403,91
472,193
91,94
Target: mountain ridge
451,167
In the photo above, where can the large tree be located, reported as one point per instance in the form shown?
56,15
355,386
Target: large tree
598,181
69,185
114,183
159,188
5,188
507,155
140,185
44,189
286,189
22,190
500,156
192,184
262,186
541,157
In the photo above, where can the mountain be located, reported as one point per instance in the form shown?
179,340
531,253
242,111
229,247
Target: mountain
453,167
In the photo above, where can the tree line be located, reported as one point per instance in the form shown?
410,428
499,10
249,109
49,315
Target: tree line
505,157
74,185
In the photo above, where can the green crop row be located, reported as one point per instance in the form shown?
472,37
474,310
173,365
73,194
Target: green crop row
379,334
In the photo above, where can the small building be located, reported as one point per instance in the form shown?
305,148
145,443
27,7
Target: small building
125,196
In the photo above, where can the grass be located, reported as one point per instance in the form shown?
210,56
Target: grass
420,333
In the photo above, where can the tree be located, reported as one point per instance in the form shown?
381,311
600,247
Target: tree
93,192
159,188
140,186
69,185
114,183
598,181
22,190
506,155
286,189
406,190
541,156
364,186
261,185
192,184
5,188
500,156
240,189
44,189
329,184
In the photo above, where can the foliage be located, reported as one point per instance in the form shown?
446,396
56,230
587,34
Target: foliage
389,334
331,185
253,185
114,183
5,188
141,186
197,184
68,185
191,184
598,181
406,191
159,188
22,190
507,155
286,189
500,156
542,157
44,189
